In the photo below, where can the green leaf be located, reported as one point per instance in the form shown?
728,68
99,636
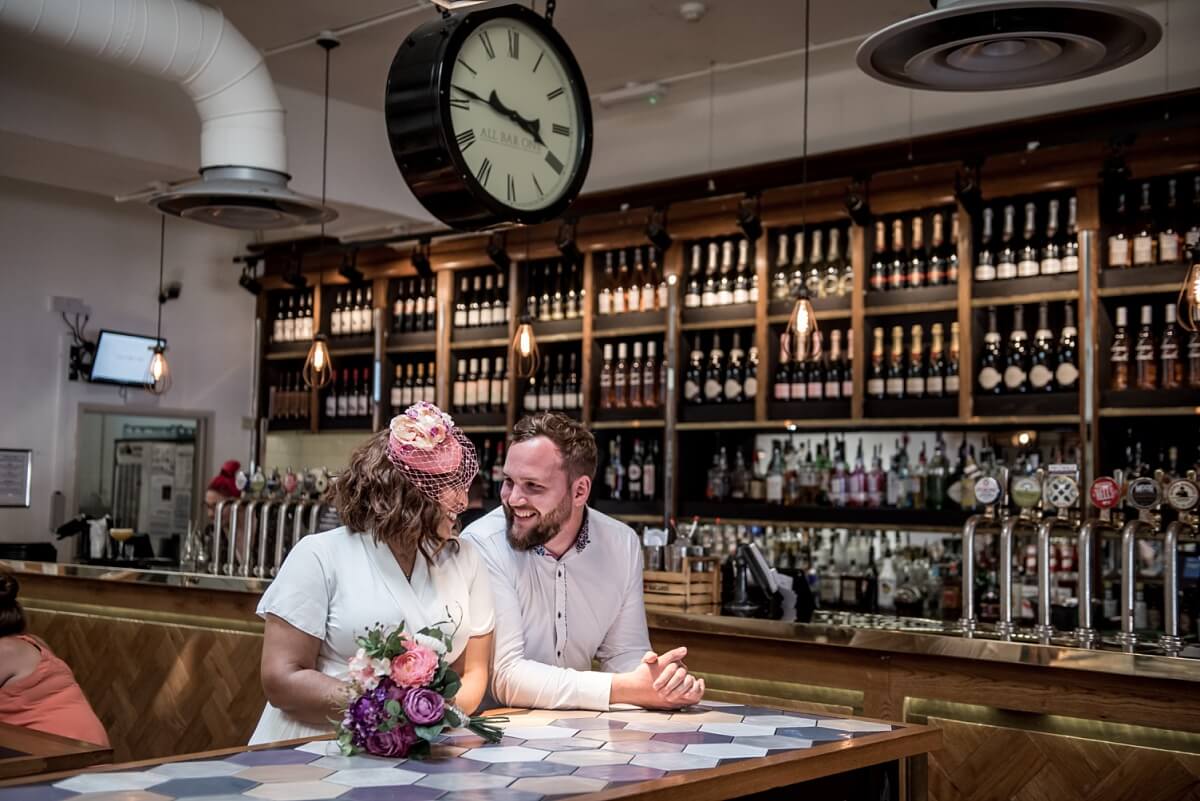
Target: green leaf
451,688
452,718
429,733
393,707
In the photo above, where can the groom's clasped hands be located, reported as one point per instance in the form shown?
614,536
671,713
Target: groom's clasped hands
658,682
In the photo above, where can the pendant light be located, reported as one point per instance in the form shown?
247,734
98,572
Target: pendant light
525,356
318,367
158,372
1189,295
802,322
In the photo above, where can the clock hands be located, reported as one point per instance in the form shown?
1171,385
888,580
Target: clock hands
531,127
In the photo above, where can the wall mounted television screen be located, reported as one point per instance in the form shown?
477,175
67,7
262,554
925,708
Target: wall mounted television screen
122,359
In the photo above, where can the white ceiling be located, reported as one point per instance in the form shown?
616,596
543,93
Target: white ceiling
616,41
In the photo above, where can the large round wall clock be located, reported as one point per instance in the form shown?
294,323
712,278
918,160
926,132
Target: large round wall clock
489,119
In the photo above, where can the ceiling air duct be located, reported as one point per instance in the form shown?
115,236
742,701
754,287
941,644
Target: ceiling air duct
243,150
977,45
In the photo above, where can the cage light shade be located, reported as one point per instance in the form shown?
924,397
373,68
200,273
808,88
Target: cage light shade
158,373
524,351
1189,296
318,367
802,322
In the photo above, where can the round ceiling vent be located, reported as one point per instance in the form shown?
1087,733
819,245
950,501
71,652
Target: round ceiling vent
242,197
977,45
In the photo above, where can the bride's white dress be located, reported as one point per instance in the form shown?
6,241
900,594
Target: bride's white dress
337,584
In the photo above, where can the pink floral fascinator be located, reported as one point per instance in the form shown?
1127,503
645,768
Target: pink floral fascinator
433,455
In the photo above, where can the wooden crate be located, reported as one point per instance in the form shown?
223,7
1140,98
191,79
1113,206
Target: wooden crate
693,591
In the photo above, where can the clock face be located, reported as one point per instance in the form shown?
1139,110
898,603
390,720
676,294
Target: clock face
515,115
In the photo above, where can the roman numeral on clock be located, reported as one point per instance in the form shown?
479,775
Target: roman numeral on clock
485,171
468,66
538,63
487,44
556,93
512,189
465,139
536,185
561,130
514,44
460,103
554,163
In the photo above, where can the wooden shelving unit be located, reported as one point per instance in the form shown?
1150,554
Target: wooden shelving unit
894,190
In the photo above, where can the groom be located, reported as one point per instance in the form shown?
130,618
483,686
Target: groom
567,582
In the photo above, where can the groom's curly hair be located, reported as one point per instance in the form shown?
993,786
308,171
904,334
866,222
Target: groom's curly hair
372,496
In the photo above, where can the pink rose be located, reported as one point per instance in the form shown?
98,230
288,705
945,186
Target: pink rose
415,667
424,707
394,743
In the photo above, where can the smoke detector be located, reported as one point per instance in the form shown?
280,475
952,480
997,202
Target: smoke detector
977,45
247,198
693,11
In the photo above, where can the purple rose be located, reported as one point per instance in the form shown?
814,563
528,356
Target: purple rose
424,707
394,743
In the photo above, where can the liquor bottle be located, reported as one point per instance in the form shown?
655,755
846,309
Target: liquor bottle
815,378
633,472
607,378
1066,369
875,380
878,277
1042,362
546,298
951,372
618,487
1168,234
1118,240
750,384
693,381
633,294
895,369
1193,359
781,386
407,387
484,401
621,377
661,288
717,488
692,296
708,295
846,281
364,393
474,319
856,485
498,391
848,366
917,266
471,401
635,377
1070,245
1144,355
558,387
796,277
348,315
1016,359
485,300
991,376
460,304
620,295
649,377
1144,240
952,251
914,384
343,395
1168,352
735,373
1006,261
714,379
400,321
650,473
935,371
814,273
1119,352
396,395
833,373
288,324
938,252
500,302
937,477
648,299
831,285
779,282
460,387
798,374
368,324
876,480
742,273
897,257
1052,247
331,400
985,260
574,393
1027,258
725,276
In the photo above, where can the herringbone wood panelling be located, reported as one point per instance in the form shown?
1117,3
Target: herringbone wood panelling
988,763
160,689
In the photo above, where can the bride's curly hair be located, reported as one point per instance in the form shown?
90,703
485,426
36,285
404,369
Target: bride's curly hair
372,496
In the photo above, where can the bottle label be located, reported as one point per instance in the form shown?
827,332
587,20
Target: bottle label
1039,376
816,390
648,478
1027,268
895,386
774,489
724,298
1169,351
1119,353
431,305
741,296
1006,270
634,302
783,391
691,390
952,384
558,400
1066,374
460,394
331,406
712,389
691,301
1168,247
1144,352
709,298
1014,377
985,272
915,386
875,387
1070,264
934,385
799,391
662,296
833,390
471,393
751,388
1118,252
1051,266
732,388
460,318
989,378
1143,251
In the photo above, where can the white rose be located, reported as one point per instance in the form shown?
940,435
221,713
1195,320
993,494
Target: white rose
432,643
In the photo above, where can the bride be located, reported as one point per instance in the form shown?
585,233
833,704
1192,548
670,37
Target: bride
396,560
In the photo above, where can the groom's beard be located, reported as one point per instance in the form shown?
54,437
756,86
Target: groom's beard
541,528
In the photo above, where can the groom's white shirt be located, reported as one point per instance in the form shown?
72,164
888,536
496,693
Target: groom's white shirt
554,616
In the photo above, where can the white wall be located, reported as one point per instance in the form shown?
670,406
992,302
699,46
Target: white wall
60,242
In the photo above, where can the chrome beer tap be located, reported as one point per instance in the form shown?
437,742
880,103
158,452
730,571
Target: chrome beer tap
1106,495
247,542
264,528
290,507
1026,493
1183,495
1144,495
214,564
993,501
1060,490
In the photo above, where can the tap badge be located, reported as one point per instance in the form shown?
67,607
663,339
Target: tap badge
1144,493
1183,495
1061,491
1105,492
1026,491
987,490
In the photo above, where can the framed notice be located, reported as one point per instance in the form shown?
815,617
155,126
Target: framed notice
16,474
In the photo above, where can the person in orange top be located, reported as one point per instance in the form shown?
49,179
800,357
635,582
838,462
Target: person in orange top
37,689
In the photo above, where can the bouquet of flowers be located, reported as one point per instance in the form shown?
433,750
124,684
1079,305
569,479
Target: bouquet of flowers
403,695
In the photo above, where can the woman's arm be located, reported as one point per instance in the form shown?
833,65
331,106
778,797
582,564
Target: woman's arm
473,666
290,678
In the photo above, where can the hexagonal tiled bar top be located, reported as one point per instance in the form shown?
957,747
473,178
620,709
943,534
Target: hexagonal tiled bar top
544,755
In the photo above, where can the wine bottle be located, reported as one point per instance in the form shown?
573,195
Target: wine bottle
952,362
796,277
1027,259
1016,360
779,282
878,277
895,369
714,379
917,265
952,251
1070,244
935,371
1146,363
621,377
607,378
1051,263
937,256
735,373
1168,234
1041,365
985,260
1066,370
1168,352
1144,240
725,276
833,373
750,384
708,296
897,257
635,377
815,383
693,382
781,388
1118,240
812,278
991,376
1118,353
473,318
692,296
633,295
1006,261
798,372
832,287
876,382
914,384
650,375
